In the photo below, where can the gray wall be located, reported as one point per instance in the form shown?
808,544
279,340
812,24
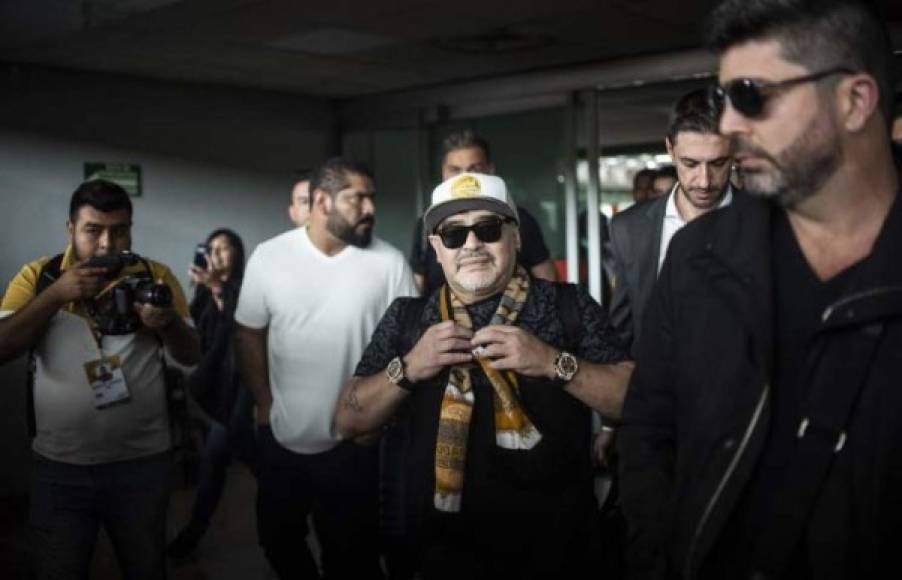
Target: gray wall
392,156
209,158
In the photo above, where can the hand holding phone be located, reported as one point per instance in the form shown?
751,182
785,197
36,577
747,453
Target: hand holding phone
200,256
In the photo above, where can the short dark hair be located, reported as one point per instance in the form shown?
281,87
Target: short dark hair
817,34
100,194
465,139
332,176
695,112
666,171
646,173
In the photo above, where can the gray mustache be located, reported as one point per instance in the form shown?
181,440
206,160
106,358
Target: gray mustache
470,255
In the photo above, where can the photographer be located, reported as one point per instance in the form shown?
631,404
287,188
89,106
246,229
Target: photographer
102,430
215,385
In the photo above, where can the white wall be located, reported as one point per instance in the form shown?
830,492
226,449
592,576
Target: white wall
209,158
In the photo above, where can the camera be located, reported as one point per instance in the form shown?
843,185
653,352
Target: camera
113,309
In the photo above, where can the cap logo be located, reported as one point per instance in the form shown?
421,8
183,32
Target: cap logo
465,186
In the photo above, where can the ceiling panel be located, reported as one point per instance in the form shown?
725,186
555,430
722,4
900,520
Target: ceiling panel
342,48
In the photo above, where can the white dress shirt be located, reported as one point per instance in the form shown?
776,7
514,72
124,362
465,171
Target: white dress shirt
673,221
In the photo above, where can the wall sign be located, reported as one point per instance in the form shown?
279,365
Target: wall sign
126,175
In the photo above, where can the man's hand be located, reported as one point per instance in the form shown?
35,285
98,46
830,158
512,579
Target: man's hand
155,318
512,348
77,283
442,345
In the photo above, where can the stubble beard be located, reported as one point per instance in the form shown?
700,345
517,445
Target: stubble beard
801,169
476,282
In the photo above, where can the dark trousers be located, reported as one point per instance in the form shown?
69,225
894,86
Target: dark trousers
214,463
339,488
69,503
221,444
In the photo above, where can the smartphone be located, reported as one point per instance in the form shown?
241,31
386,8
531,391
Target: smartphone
200,256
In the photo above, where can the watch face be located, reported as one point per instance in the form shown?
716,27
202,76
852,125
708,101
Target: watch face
395,370
566,366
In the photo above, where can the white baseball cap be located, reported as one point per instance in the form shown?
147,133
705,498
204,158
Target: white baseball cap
468,191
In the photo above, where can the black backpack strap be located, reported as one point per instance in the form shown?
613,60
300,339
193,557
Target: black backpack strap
568,309
49,274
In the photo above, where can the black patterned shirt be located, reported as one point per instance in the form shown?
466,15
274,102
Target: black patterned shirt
512,499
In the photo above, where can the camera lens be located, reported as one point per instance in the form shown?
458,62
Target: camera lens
154,294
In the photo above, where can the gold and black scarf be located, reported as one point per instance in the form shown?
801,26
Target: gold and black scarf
513,429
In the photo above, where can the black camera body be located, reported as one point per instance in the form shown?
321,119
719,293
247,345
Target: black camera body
113,312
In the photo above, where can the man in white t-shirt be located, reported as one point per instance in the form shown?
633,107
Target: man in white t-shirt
310,302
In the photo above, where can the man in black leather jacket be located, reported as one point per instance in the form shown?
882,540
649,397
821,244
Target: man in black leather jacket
760,435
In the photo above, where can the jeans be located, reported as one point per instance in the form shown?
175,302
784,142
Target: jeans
69,503
215,459
220,446
340,489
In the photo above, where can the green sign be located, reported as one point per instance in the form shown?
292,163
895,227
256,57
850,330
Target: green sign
126,175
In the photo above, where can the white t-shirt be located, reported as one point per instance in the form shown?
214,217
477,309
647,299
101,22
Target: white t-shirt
321,312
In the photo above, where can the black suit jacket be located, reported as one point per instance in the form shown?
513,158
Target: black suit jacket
635,251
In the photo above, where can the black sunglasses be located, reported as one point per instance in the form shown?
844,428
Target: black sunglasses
748,96
487,231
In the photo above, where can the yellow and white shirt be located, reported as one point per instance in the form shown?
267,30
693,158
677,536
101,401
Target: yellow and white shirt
69,427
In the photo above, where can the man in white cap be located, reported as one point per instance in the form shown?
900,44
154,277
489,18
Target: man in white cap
498,372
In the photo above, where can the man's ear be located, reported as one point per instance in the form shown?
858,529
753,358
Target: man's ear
321,200
669,146
858,98
70,227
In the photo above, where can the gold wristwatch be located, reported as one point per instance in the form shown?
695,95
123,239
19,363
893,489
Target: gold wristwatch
565,368
395,373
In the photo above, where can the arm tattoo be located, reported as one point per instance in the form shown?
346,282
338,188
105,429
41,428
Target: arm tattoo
351,401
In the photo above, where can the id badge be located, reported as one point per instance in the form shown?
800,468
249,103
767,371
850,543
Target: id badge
107,381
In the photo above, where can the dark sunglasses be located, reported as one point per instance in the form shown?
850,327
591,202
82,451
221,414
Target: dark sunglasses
749,96
487,231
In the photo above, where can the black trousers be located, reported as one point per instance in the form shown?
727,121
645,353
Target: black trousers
69,504
339,488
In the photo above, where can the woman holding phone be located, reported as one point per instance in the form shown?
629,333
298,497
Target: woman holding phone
217,273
